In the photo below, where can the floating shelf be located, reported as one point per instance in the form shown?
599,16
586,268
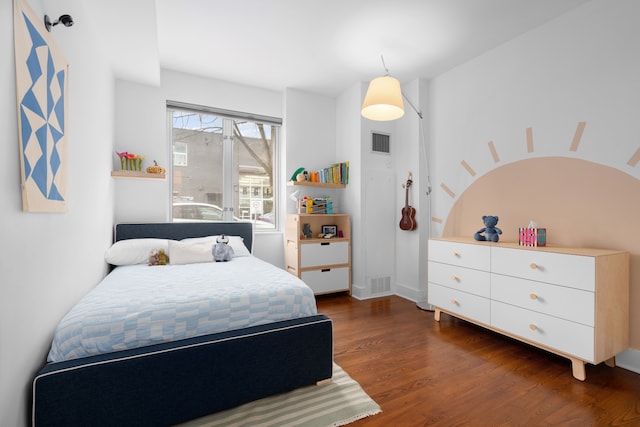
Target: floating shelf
137,175
315,184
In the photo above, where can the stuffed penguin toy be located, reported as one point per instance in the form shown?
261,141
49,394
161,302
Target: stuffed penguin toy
221,250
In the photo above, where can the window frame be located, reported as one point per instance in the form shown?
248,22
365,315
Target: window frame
228,186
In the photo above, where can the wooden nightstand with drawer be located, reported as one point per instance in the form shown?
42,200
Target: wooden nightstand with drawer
570,301
323,264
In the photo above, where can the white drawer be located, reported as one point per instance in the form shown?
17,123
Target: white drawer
575,271
559,301
464,279
462,254
327,280
325,253
565,336
467,305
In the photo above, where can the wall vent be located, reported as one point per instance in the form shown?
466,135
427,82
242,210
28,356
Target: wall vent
380,143
380,285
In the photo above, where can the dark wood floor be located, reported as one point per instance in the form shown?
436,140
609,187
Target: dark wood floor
452,373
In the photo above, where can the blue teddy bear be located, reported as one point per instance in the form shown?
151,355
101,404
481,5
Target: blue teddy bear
492,232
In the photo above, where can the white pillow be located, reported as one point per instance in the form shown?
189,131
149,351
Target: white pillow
236,243
134,251
189,252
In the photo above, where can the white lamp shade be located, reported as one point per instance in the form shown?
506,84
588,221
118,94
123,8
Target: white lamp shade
383,100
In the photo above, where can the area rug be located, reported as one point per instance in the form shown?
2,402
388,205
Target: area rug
336,403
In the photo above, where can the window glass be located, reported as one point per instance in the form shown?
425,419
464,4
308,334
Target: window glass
223,168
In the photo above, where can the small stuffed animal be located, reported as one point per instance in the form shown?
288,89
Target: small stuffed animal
492,232
158,257
153,257
221,250
163,259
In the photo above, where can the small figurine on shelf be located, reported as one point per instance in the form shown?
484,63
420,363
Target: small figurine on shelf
306,230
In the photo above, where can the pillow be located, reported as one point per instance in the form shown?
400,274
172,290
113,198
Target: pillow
236,242
189,252
133,251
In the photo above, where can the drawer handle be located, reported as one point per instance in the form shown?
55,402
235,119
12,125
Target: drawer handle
324,270
454,278
325,244
454,253
533,296
533,327
533,265
454,302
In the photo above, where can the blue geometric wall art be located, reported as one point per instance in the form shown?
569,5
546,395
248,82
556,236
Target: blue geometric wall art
41,81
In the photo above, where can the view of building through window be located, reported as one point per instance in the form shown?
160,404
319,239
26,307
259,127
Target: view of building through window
223,168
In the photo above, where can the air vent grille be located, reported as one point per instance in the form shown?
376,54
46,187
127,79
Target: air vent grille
380,143
380,285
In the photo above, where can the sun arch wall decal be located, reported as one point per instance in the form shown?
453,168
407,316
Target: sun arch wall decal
633,161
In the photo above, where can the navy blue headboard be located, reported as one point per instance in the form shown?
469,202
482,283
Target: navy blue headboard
183,230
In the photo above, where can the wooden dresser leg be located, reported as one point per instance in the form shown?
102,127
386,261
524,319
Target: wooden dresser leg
611,362
579,372
436,314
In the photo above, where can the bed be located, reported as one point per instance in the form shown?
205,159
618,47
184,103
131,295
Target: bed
162,374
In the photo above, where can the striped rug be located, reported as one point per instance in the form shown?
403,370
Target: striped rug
334,403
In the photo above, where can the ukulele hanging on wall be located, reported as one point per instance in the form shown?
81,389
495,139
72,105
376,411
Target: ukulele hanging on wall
408,221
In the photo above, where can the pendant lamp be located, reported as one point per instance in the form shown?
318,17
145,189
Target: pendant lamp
383,100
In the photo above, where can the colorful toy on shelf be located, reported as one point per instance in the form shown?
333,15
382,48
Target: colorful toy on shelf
298,171
130,161
317,205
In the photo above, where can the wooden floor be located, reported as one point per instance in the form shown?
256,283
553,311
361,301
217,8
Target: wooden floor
452,373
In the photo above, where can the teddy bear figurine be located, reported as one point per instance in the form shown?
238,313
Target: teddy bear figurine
492,232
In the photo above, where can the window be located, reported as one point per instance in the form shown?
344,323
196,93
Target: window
180,154
224,165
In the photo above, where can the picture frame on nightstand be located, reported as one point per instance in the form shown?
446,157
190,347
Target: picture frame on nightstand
330,229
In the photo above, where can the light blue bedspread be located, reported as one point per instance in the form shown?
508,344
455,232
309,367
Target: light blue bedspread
139,305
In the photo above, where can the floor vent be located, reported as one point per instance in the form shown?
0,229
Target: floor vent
380,285
380,143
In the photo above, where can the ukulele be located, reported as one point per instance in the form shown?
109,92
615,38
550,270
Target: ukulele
408,221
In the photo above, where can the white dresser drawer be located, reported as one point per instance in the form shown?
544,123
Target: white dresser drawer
467,305
325,253
327,280
464,279
559,301
461,254
575,271
565,336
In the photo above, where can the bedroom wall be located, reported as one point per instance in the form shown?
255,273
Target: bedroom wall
568,89
48,261
141,127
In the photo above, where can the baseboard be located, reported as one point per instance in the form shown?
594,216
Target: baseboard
629,360
410,293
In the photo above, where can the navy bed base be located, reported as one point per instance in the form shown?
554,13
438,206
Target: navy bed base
170,383
166,384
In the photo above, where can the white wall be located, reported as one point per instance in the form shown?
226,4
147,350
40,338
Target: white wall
49,261
583,66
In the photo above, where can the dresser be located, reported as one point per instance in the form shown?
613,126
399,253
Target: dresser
323,264
573,302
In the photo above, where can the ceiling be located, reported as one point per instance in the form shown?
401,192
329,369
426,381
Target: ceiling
322,47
